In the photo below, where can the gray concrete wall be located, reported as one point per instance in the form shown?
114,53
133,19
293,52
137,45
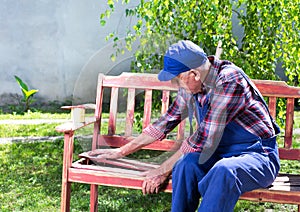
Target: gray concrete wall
49,44
59,47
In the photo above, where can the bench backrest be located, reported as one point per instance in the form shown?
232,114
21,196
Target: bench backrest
134,83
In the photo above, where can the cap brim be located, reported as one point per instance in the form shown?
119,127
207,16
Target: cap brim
165,76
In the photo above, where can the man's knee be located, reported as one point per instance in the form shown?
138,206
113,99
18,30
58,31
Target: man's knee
224,169
186,164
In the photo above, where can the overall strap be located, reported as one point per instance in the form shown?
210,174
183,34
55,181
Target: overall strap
191,114
200,111
257,93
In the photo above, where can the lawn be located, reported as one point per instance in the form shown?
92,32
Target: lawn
30,178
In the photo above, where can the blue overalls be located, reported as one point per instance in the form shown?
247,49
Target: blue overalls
242,162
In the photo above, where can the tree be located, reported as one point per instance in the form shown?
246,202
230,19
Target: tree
271,32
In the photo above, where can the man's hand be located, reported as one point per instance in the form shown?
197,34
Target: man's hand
106,153
154,180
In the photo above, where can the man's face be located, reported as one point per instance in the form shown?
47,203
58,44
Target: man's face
190,81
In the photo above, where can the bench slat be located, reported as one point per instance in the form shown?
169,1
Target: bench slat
130,111
147,108
113,111
277,89
289,154
264,195
117,141
165,101
272,106
289,123
138,81
99,96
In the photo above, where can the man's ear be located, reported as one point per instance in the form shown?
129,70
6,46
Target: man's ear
197,75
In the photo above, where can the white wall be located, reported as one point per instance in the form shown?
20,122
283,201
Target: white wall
50,43
59,47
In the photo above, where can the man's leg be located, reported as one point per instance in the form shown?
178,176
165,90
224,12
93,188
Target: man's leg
185,177
230,177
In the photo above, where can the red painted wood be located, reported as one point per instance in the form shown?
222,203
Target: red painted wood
96,131
289,154
122,163
262,195
101,178
276,88
105,169
147,108
272,106
138,81
113,111
67,161
165,101
117,141
130,112
99,96
69,127
289,123
94,198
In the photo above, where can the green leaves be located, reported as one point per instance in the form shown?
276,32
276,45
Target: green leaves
102,22
271,35
23,86
271,32
27,94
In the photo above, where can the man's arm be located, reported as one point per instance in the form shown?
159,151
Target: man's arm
133,146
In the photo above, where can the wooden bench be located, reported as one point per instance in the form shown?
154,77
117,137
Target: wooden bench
127,172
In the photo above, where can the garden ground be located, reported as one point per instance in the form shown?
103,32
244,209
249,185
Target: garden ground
30,170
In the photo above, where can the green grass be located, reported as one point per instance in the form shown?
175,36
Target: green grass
30,178
9,130
35,115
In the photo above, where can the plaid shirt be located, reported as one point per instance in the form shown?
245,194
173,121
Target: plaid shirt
231,99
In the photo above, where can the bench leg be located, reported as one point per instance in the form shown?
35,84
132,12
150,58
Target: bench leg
67,161
298,208
65,197
94,198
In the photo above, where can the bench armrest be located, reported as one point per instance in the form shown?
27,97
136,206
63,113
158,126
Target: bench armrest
83,106
71,126
78,119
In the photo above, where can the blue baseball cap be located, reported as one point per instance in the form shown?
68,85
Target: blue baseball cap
181,57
